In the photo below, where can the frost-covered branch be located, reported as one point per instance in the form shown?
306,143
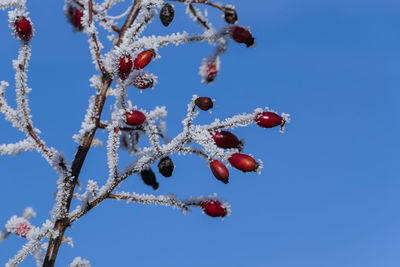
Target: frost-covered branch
35,237
164,200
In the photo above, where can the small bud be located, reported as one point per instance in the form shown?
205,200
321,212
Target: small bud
225,139
166,167
214,208
241,35
167,14
230,15
22,229
211,71
268,119
219,170
149,178
143,59
135,117
75,17
125,67
143,81
204,103
243,162
23,29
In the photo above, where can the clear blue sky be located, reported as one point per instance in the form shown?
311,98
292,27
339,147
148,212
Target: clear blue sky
329,193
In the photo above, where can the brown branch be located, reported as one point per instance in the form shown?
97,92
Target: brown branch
129,20
71,181
200,20
103,19
96,42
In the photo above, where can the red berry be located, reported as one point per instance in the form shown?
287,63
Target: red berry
125,66
143,59
23,28
22,229
219,170
268,119
243,162
225,139
135,117
75,17
241,35
143,81
211,71
204,103
214,208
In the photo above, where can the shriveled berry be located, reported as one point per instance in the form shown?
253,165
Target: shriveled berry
135,117
75,17
243,162
166,167
230,15
149,178
167,14
225,139
143,59
211,72
143,81
268,119
22,229
241,35
23,29
204,103
214,208
125,67
219,170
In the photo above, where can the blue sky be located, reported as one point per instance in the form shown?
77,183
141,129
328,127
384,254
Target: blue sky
329,192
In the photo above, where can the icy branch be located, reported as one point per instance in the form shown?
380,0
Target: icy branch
4,4
34,242
164,200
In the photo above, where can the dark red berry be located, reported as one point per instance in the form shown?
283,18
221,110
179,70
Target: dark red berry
211,71
75,17
268,119
219,170
230,15
243,162
167,14
125,67
241,35
166,166
149,178
225,139
143,81
135,117
23,29
143,59
204,103
214,208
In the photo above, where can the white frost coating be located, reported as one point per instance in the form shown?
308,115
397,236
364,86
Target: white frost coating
39,255
9,113
79,262
34,242
4,4
168,200
199,15
15,149
91,192
90,29
88,124
154,42
28,213
18,225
